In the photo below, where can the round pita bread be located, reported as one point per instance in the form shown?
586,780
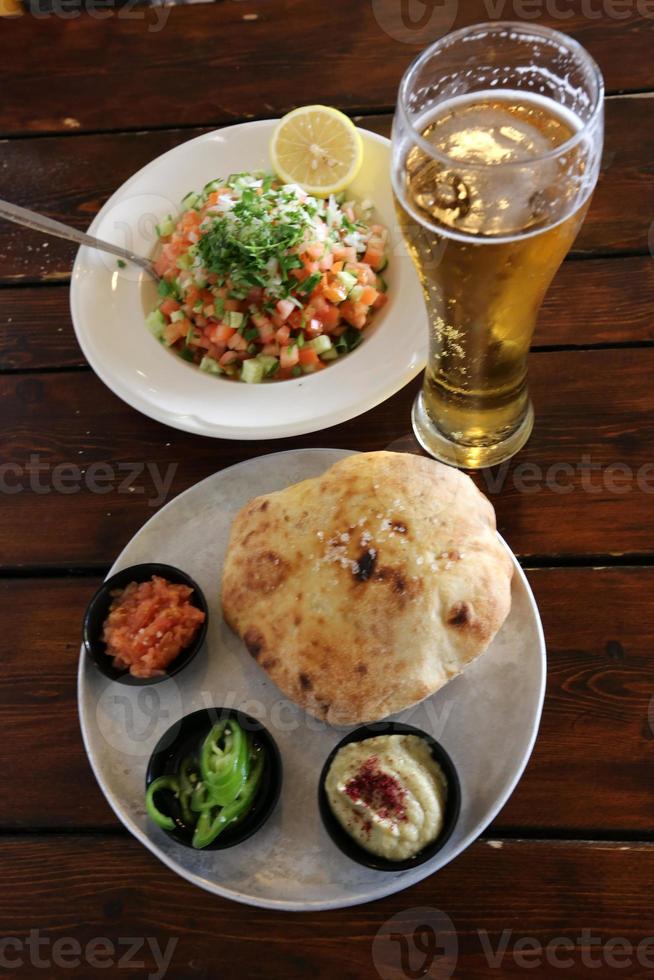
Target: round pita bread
365,590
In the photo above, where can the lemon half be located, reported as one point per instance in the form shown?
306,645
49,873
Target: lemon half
318,148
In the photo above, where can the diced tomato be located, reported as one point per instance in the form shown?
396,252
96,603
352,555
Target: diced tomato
237,342
221,334
233,305
175,331
283,334
354,313
308,356
271,350
345,253
169,306
315,251
190,220
310,265
285,307
382,300
266,331
374,256
335,293
326,262
161,265
255,296
314,328
296,319
330,317
192,295
368,295
289,356
228,357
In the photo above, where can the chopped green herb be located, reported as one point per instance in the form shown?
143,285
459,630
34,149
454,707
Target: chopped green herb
122,264
296,371
309,283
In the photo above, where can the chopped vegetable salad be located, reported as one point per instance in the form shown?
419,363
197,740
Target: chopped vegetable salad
260,281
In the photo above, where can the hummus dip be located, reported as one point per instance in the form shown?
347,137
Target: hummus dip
388,793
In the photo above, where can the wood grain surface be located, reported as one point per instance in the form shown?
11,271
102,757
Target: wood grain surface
237,59
559,885
97,886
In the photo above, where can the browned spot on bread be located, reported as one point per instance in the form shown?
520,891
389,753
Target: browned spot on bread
361,669
399,581
254,641
460,614
269,663
305,682
365,565
399,527
264,505
297,619
265,571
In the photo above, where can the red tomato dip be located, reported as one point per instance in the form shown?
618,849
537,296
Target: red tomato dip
149,624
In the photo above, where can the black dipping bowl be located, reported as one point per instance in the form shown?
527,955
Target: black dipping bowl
347,844
185,738
98,610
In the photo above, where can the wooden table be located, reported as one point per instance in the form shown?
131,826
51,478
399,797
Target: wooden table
86,100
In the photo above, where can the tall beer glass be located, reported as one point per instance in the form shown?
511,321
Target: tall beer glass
497,140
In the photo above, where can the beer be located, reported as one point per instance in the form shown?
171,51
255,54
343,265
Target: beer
487,220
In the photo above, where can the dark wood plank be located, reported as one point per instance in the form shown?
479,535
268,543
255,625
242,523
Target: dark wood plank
599,628
598,413
204,64
36,330
70,178
84,888
606,301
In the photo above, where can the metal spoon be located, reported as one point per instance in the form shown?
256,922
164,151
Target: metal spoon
31,219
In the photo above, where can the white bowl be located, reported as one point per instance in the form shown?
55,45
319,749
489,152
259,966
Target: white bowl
109,305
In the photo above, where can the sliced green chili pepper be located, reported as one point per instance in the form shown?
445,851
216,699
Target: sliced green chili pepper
163,782
225,770
188,779
215,791
210,825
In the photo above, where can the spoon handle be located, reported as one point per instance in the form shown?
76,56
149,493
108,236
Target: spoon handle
31,219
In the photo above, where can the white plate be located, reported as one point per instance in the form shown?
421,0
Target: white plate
109,304
487,718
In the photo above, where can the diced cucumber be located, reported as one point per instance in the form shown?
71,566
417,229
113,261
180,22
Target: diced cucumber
383,264
185,261
210,365
190,200
320,344
234,319
347,280
212,186
252,371
355,293
156,323
176,316
166,227
269,363
329,355
382,285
